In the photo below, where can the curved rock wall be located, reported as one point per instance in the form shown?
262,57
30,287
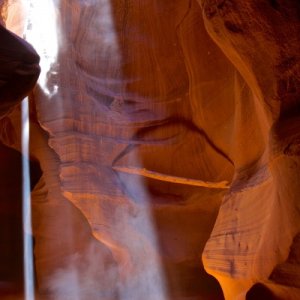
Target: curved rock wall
258,219
149,117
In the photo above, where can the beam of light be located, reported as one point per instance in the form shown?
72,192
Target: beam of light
41,32
28,256
16,22
149,280
27,226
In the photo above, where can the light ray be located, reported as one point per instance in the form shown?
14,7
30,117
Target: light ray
27,226
41,31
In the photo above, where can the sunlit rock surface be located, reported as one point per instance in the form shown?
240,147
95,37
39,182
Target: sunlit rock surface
259,218
165,131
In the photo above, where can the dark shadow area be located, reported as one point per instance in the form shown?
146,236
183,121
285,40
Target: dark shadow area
193,280
11,233
19,69
260,292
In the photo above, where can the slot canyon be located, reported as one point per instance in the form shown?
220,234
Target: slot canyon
164,149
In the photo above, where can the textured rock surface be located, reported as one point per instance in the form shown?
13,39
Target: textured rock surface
123,100
145,111
259,218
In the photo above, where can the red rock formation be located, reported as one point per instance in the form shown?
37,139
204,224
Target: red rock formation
150,117
258,219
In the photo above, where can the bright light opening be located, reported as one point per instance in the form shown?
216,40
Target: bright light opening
41,32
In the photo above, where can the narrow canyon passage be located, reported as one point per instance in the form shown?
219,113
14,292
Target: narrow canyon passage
164,149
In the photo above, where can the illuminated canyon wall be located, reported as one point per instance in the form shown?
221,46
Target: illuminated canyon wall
167,138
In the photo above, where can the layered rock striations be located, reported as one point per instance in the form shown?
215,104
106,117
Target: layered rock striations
258,220
166,131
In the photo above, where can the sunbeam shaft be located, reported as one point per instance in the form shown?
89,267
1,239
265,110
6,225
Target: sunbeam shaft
27,226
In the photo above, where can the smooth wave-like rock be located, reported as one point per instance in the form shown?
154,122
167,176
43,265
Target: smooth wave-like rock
256,227
166,130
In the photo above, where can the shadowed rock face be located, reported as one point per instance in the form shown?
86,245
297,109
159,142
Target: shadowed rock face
167,130
19,70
